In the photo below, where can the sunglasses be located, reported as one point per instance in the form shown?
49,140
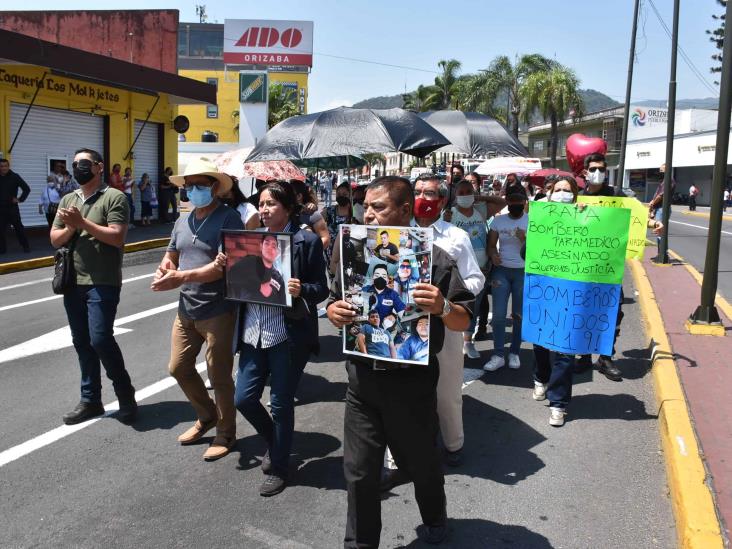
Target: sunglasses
595,168
405,266
83,163
198,186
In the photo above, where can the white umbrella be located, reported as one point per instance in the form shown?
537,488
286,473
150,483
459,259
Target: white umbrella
508,164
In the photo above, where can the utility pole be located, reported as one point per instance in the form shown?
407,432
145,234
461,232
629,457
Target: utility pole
663,248
706,314
628,86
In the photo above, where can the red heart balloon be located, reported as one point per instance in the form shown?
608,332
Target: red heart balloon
579,146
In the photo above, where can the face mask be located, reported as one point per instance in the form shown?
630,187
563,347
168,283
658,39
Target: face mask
358,212
565,197
51,184
388,323
427,209
596,178
515,210
83,174
200,198
379,283
342,200
465,201
456,178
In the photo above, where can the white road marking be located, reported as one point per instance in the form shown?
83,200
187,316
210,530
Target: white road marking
698,227
23,284
61,338
52,297
17,452
270,539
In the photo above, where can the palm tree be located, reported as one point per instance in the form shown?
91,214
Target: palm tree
555,93
445,88
282,103
417,100
503,77
375,158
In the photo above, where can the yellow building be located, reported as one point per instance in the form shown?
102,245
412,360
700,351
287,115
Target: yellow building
200,57
122,110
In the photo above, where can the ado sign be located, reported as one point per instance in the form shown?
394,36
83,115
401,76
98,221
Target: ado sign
250,42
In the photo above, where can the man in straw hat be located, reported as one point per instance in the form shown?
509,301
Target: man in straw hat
203,313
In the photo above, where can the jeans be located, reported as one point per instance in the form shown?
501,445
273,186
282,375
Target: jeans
478,301
556,374
284,366
658,216
131,202
91,311
507,281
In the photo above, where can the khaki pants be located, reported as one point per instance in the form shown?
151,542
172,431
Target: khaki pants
450,390
185,343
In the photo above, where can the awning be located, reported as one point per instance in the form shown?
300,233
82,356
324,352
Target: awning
91,67
689,150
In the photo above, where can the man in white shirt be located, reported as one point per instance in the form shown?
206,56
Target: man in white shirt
693,193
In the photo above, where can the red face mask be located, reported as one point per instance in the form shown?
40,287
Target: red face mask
426,209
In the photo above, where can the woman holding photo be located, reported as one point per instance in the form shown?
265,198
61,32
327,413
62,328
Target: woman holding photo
275,342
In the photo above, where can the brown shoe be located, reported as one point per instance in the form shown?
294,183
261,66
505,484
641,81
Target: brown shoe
196,432
219,448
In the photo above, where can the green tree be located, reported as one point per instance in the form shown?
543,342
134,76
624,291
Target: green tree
417,100
555,94
503,78
375,158
443,92
282,103
716,36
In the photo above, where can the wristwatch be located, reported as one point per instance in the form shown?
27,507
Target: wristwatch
446,308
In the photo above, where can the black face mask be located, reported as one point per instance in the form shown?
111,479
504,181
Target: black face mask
83,172
515,210
379,283
356,200
342,200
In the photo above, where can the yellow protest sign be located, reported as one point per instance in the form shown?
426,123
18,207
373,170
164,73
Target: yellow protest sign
638,220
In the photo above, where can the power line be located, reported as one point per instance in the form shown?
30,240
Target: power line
375,63
684,56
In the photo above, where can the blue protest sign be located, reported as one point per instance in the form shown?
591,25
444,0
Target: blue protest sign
569,316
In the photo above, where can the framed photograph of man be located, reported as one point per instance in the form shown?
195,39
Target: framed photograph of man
380,267
258,267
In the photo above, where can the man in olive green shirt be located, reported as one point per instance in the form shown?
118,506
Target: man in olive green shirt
94,220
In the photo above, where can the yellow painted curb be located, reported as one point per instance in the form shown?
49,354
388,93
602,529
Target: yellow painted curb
721,302
704,329
39,262
697,524
706,215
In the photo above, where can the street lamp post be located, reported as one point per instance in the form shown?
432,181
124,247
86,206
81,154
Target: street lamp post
663,248
628,87
706,313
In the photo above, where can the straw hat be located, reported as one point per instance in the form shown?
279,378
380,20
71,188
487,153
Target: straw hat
204,166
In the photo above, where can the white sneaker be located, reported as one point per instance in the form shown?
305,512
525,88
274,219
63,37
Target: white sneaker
514,362
494,363
539,391
469,350
556,417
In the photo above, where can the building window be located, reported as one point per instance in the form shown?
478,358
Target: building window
212,111
183,42
538,146
206,43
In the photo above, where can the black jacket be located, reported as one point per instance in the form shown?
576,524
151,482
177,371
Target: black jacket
605,190
9,186
308,266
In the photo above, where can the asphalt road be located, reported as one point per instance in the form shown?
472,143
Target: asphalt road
688,238
599,481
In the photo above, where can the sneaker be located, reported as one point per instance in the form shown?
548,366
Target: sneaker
469,350
494,363
514,362
556,417
539,390
266,463
83,412
273,484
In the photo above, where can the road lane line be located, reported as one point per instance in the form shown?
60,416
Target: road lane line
61,337
52,297
697,227
23,284
54,435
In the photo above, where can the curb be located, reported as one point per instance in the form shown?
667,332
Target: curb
706,215
39,262
721,302
697,524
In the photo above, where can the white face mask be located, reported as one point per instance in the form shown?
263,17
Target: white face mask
465,201
565,197
358,212
388,323
596,178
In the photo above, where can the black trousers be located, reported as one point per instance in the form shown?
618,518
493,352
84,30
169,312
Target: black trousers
10,215
397,408
692,203
167,198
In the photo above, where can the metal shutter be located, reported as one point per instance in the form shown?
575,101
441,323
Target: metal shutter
48,132
146,160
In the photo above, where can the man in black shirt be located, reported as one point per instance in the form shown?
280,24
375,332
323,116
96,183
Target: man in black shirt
10,183
394,404
386,251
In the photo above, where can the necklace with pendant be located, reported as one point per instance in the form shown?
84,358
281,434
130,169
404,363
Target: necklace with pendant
193,226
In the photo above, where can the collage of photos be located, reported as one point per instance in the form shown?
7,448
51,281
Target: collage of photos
380,267
258,267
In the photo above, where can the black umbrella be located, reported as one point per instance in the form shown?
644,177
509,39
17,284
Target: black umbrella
474,134
346,132
331,162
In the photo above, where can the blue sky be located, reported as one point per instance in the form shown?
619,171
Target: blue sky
591,36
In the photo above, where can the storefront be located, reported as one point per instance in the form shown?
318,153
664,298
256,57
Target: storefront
55,100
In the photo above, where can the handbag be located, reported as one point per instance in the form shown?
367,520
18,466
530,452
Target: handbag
64,274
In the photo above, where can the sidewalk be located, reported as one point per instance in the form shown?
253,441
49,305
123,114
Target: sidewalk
702,366
41,253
